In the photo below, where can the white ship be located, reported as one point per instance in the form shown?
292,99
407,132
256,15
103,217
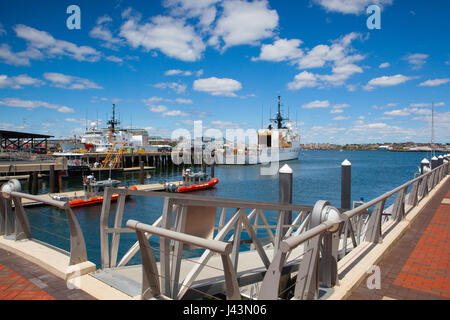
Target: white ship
281,143
101,140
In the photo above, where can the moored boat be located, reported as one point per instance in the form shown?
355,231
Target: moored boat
93,192
193,181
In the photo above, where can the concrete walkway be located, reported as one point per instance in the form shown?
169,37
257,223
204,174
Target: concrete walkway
23,280
418,268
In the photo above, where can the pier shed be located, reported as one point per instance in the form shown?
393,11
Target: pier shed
18,140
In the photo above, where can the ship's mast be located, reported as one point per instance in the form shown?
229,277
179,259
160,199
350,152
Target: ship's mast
279,119
112,123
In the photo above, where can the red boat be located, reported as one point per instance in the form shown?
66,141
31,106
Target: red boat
94,191
193,181
207,185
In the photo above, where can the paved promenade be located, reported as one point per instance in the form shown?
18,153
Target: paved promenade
23,280
418,268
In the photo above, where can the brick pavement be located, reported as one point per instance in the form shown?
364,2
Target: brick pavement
418,267
23,280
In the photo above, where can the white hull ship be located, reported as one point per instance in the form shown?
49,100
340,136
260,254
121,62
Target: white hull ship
274,145
102,140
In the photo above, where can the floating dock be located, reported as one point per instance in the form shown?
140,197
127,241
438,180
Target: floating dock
80,193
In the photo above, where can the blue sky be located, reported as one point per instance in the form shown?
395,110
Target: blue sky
168,63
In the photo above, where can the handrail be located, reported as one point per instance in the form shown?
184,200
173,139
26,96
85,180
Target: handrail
22,230
306,286
351,213
151,287
219,247
55,203
213,201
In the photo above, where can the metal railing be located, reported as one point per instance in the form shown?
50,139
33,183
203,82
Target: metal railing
315,249
14,222
314,268
262,235
151,284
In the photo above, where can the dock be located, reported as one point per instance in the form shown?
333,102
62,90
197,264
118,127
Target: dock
80,193
316,252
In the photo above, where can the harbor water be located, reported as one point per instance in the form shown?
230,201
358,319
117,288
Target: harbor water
316,176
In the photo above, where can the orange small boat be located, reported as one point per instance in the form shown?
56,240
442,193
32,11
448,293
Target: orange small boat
195,187
94,192
192,181
94,200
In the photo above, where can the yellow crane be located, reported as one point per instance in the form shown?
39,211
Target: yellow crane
113,158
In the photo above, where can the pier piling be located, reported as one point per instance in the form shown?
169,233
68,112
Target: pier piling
52,179
424,163
285,192
141,172
346,177
434,162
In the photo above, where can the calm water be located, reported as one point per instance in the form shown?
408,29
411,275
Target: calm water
316,177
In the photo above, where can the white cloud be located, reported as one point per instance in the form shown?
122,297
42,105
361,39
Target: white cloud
101,31
171,36
114,59
42,44
340,118
158,109
218,124
175,113
183,101
407,112
202,10
417,60
13,58
338,56
386,81
218,87
70,82
304,79
384,65
177,87
280,50
17,82
316,104
350,6
423,105
434,82
337,108
176,72
244,22
33,104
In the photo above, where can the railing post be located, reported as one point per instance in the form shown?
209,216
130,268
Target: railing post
78,253
104,238
412,200
22,225
307,285
9,219
373,233
150,279
423,188
398,212
2,214
116,235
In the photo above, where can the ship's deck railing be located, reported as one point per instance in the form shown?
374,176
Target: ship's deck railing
312,265
14,223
